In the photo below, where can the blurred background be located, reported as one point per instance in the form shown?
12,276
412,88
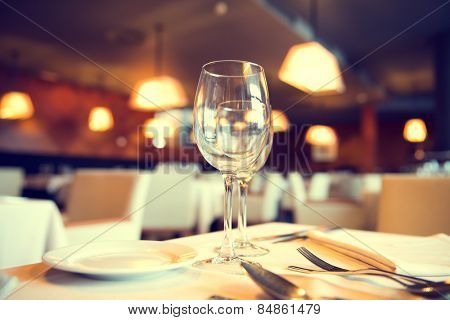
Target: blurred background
357,88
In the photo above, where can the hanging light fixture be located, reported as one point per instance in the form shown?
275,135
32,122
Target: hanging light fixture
324,143
100,119
15,105
321,135
280,122
159,130
311,67
415,130
160,91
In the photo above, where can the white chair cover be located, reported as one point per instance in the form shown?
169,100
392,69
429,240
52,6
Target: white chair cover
11,181
171,199
116,198
415,205
28,229
319,187
265,208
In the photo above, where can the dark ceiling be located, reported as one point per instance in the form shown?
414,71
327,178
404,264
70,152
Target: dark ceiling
118,36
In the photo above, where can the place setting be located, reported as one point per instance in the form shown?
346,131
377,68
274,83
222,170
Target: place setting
218,159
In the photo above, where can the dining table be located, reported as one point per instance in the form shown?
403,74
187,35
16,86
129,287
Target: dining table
411,254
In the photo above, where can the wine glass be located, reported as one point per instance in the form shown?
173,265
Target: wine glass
243,246
232,121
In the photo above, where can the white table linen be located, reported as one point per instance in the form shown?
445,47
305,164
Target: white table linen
191,283
28,229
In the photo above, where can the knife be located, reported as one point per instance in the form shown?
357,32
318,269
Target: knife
273,284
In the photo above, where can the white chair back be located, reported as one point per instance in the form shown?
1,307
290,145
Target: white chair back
414,205
297,187
105,193
171,199
319,187
11,181
28,229
371,182
257,184
345,185
271,200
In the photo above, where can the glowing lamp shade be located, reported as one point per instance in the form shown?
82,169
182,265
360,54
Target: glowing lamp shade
158,93
100,119
159,129
312,68
16,105
321,136
280,122
415,130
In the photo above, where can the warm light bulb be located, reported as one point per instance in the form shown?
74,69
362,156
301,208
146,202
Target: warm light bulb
158,93
312,68
16,105
415,130
321,136
100,119
280,122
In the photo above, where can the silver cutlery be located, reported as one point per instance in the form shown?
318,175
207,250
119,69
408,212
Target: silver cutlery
273,284
419,286
286,237
312,288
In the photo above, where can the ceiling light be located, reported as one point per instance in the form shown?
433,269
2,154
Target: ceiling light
312,68
16,105
162,92
100,119
415,130
221,8
321,136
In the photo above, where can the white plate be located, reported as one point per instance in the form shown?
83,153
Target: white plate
119,259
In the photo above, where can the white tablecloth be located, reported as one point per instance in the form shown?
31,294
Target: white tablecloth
190,283
28,229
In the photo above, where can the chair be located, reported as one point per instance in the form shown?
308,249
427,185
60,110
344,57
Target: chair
331,213
319,187
11,181
414,205
171,206
28,229
345,185
325,212
107,205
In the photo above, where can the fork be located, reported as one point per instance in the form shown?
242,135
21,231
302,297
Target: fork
367,271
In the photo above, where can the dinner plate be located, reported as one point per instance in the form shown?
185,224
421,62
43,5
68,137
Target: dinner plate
120,259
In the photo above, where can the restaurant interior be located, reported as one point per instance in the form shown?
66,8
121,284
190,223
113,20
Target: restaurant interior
102,107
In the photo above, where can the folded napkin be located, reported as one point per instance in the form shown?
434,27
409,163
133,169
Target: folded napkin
365,255
413,255
7,285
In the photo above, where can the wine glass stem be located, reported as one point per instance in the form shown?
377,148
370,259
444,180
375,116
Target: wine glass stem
227,249
242,217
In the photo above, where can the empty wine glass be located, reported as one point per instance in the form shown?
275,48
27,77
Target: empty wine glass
231,125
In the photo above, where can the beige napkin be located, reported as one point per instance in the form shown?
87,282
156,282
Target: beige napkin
364,255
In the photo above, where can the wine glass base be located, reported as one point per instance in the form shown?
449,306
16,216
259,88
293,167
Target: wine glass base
222,265
248,249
